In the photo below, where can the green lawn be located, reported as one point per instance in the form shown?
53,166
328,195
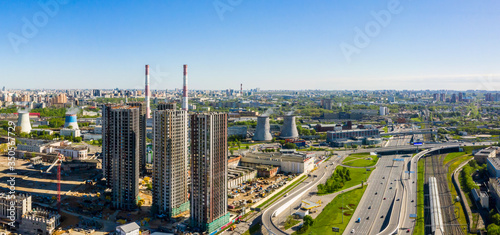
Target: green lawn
452,156
360,160
288,188
417,119
331,216
420,228
357,175
253,230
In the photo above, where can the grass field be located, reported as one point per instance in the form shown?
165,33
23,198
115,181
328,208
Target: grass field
452,156
454,194
420,227
330,216
357,175
359,160
253,230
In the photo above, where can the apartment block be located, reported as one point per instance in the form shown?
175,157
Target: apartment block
121,145
142,136
170,162
209,171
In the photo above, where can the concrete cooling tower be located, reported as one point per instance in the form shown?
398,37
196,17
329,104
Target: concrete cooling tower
23,121
71,121
289,128
262,132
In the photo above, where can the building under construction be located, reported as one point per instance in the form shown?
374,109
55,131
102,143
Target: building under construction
121,143
142,135
209,171
170,162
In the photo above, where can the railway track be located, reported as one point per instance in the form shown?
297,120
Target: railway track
434,167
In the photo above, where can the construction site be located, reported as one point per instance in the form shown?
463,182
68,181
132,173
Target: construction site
254,190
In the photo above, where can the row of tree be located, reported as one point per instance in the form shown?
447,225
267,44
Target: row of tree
336,181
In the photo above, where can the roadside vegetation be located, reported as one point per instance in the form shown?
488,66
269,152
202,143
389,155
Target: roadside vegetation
330,216
420,226
343,178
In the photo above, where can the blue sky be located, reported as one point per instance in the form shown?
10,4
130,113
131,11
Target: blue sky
281,44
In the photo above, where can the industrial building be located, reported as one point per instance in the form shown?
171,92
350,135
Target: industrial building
481,198
287,162
484,154
240,174
346,134
494,189
263,130
142,135
493,166
128,229
209,171
121,142
239,131
170,162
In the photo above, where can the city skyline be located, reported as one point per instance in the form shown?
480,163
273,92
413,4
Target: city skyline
87,45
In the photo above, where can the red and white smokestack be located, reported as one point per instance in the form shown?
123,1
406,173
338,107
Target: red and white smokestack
241,89
185,89
146,92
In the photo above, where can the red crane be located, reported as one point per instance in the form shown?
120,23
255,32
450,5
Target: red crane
59,160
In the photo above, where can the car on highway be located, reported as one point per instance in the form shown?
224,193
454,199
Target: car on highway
397,200
367,218
412,200
407,231
376,193
390,188
384,198
352,231
370,207
382,216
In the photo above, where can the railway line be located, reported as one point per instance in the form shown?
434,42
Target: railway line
434,168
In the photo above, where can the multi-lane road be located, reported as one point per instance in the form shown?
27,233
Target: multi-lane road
281,209
380,205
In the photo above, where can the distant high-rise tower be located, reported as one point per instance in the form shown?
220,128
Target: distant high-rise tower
170,162
147,94
209,171
142,135
185,105
121,141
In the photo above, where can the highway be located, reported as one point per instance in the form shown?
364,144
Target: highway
373,210
286,204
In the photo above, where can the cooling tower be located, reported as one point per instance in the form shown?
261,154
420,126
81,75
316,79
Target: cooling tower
24,122
71,121
289,129
262,132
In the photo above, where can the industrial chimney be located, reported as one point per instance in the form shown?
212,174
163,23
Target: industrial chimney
148,107
184,90
23,121
262,132
289,128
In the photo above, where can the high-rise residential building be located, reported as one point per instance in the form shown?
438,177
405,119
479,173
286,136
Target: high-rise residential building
170,162
460,96
327,104
209,171
96,92
165,106
106,144
142,135
442,97
121,142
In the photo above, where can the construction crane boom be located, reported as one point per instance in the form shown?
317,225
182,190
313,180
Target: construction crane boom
59,158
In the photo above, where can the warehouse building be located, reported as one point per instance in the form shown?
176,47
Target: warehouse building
292,163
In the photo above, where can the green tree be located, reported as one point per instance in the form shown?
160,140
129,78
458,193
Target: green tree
308,220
